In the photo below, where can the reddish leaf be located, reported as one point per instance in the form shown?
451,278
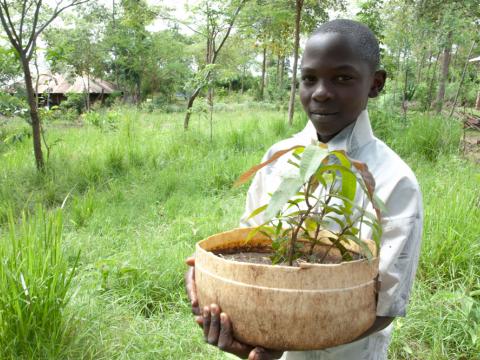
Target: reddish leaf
248,174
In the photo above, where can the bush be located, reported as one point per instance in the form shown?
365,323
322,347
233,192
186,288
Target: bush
10,135
56,113
76,102
105,120
113,99
386,125
11,105
430,137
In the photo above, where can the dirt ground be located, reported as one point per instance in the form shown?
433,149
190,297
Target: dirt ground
471,145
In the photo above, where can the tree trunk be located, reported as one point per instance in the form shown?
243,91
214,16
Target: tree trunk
138,96
432,81
405,86
264,67
243,79
462,79
453,62
282,72
188,113
444,74
396,77
35,119
291,104
477,104
422,64
88,91
277,75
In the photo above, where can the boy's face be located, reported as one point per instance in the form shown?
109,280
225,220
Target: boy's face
335,83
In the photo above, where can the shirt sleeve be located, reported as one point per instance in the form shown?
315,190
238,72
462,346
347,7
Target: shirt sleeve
400,249
255,195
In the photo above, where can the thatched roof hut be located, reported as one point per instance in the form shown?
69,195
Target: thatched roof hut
57,87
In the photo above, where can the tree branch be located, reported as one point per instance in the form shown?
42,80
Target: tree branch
10,25
230,26
164,17
57,11
7,30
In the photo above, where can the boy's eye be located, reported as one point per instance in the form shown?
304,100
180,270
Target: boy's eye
343,78
308,79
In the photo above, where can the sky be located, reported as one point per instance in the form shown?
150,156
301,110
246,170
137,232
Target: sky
179,12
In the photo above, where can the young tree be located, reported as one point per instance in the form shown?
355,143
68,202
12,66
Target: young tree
77,47
218,21
23,21
298,15
131,43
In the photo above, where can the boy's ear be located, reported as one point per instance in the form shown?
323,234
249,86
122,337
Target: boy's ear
378,83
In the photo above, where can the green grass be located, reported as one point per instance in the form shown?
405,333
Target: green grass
138,192
35,280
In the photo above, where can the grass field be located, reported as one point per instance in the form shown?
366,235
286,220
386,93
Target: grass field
137,192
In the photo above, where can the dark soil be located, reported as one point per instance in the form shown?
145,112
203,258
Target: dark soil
262,256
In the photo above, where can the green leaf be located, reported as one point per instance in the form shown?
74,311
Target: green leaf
310,224
337,220
257,211
288,187
293,163
312,158
349,180
365,249
379,204
298,151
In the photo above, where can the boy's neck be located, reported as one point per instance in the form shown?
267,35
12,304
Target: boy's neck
327,138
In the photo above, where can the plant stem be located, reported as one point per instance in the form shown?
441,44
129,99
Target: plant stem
294,238
317,231
339,237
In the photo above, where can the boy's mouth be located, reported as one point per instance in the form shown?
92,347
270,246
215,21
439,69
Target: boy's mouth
321,114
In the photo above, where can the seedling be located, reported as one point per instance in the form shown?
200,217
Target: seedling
318,204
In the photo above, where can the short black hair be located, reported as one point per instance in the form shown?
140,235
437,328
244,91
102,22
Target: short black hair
364,39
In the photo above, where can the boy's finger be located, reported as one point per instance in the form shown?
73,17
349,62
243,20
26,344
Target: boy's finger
225,339
206,322
214,332
191,290
260,353
190,261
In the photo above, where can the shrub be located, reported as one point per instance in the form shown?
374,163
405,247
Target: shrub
429,137
75,101
11,105
105,120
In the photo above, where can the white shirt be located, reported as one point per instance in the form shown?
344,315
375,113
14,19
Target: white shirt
397,187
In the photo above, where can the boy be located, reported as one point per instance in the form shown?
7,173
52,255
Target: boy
339,72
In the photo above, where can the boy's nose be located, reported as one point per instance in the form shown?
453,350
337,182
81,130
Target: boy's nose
321,92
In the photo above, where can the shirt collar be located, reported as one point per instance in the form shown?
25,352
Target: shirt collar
350,139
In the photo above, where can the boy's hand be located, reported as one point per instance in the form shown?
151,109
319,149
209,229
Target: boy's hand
217,327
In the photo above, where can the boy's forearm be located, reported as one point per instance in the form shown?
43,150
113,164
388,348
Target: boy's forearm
381,322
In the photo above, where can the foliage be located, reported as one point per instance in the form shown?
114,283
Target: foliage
58,113
131,45
77,49
76,102
107,120
9,65
297,211
35,283
12,105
